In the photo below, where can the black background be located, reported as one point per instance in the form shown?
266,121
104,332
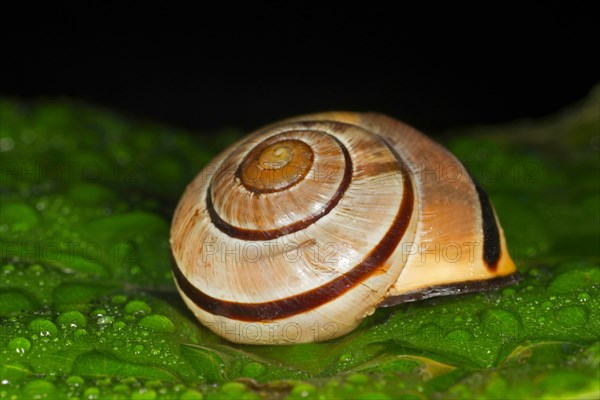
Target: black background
435,68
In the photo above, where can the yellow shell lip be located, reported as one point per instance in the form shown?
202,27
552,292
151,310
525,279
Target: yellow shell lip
453,289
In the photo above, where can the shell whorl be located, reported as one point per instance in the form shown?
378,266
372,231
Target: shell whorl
310,184
307,223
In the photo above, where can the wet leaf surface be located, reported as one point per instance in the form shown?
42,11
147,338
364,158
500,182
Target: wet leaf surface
88,307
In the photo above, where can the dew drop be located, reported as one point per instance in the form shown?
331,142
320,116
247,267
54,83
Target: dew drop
359,379
8,269
154,384
105,320
233,388
119,326
120,388
19,345
91,393
459,337
129,381
135,270
253,369
72,319
158,323
583,297
75,381
99,312
144,394
303,390
36,270
39,389
137,307
6,144
500,322
80,333
118,299
547,305
42,327
155,351
103,382
191,394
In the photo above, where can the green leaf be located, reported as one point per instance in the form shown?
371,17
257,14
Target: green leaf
95,365
88,307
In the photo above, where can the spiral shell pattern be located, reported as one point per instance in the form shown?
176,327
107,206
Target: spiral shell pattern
299,231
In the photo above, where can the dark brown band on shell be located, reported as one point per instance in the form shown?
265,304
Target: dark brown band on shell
491,234
306,301
269,234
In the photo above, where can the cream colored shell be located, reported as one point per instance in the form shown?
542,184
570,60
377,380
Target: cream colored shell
299,231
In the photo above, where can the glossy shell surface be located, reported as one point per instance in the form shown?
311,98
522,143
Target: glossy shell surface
300,230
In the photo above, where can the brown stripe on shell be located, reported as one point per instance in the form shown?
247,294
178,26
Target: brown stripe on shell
491,235
306,301
269,234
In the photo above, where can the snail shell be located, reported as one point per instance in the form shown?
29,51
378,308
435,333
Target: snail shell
299,231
